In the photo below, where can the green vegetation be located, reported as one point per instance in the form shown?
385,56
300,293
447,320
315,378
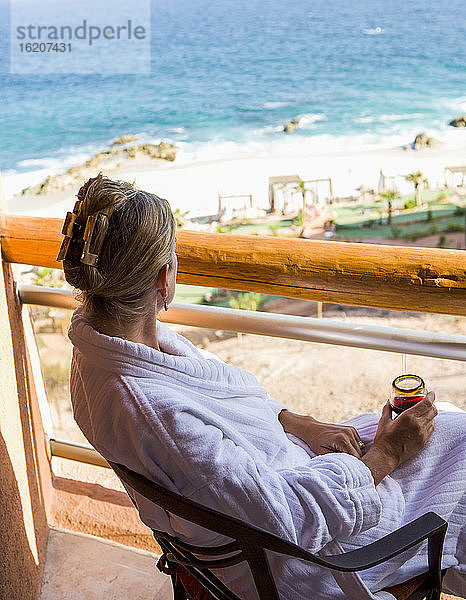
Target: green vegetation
418,180
409,204
191,294
407,221
278,227
40,343
274,228
225,228
390,196
354,221
453,227
180,218
298,220
246,301
46,277
412,231
302,189
56,376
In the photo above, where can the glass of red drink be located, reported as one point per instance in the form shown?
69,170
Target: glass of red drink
407,390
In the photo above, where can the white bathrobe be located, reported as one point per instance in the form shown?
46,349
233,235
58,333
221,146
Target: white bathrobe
210,432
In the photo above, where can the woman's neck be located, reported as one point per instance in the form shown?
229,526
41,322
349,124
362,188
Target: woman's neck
143,332
147,336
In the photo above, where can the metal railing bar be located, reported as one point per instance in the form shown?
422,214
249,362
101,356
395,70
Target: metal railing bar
84,453
388,339
325,331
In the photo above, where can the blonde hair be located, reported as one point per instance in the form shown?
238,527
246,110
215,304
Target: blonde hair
139,241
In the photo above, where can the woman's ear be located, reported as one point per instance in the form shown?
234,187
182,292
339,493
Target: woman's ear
161,283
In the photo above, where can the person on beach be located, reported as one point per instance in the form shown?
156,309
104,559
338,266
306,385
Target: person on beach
147,398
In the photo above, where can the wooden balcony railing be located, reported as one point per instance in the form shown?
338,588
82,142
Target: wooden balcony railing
391,277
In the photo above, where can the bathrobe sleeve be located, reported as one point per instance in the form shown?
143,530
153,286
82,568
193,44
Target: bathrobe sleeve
332,497
276,405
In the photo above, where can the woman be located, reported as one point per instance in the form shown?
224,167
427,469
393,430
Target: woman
145,397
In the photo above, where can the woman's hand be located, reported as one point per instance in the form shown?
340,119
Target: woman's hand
398,440
322,438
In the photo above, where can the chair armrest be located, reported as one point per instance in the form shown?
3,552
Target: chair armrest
430,526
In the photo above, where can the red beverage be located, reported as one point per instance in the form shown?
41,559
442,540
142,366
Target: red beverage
400,403
407,390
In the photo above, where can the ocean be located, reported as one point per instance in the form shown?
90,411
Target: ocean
226,75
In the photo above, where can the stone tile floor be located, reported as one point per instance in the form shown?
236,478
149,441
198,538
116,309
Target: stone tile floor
83,567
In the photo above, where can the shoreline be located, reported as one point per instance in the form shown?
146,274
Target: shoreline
194,186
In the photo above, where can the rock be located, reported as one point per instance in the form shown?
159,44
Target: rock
163,150
124,139
422,140
458,121
291,126
105,159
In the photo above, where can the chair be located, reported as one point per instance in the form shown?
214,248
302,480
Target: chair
250,542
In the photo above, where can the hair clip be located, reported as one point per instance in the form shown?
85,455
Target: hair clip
70,228
93,243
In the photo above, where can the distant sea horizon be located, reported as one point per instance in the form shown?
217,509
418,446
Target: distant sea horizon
226,77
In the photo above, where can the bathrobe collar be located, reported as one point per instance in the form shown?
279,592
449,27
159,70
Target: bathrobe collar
179,358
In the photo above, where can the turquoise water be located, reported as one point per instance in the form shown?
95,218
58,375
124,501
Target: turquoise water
227,74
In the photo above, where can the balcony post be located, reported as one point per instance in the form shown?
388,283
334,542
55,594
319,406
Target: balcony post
25,474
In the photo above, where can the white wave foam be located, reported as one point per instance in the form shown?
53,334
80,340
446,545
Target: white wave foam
272,105
31,171
267,130
406,117
459,104
310,118
364,120
57,164
276,146
375,31
387,118
271,142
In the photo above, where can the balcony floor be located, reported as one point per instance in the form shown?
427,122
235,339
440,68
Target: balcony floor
83,567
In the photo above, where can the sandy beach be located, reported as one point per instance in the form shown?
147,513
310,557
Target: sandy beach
194,186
